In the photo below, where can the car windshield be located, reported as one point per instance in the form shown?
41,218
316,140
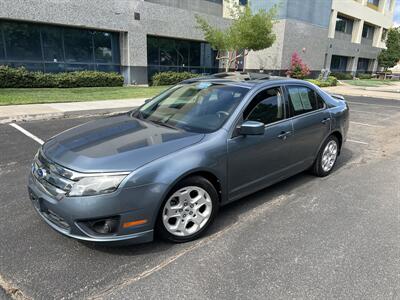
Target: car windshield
197,107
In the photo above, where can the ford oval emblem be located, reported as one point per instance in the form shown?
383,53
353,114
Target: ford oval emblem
41,173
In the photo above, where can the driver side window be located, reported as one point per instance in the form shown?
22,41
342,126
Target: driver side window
266,107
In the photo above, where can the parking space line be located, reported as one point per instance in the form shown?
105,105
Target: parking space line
357,142
370,104
365,124
370,112
27,133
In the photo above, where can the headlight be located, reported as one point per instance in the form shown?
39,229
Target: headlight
95,185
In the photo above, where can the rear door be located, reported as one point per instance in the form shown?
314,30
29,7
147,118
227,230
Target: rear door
311,122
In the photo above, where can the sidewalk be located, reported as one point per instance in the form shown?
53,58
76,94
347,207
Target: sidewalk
391,92
12,113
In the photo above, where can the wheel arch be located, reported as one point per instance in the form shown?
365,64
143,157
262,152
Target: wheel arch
339,136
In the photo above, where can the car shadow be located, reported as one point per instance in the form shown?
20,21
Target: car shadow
228,214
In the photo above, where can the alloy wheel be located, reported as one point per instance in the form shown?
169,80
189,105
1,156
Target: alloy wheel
187,211
329,156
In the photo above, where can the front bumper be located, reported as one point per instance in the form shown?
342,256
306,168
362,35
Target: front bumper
68,215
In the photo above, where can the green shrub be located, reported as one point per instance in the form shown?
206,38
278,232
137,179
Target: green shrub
342,76
22,78
364,76
331,81
170,78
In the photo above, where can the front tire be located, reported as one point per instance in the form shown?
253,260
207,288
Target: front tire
327,157
188,210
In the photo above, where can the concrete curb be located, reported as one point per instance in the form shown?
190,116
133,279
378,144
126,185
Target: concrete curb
66,114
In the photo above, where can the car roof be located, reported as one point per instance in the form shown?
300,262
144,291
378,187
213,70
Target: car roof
246,80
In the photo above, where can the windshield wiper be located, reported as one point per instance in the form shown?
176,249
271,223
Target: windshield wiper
163,124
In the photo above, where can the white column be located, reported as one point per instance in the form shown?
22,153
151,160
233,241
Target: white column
376,42
357,31
352,65
332,24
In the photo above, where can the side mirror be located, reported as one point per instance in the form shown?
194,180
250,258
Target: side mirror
147,101
252,128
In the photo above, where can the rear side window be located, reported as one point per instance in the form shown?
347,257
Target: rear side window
266,107
303,99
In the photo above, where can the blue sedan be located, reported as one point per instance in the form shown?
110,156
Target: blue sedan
168,166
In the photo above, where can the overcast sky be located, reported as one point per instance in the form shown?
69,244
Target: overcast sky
397,14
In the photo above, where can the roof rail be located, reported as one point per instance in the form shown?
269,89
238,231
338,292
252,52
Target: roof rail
241,76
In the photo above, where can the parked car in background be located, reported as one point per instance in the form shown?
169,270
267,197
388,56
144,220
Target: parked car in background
168,166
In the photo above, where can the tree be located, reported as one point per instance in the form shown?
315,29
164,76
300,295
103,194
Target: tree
390,56
248,32
298,69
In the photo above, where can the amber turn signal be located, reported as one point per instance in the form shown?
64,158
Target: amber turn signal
134,223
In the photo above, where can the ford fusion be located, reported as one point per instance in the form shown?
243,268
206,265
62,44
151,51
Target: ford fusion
166,167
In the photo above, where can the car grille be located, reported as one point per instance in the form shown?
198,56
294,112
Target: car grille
52,177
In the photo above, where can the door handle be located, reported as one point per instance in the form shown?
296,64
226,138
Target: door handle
326,120
284,134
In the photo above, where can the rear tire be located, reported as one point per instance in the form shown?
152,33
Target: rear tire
188,210
327,156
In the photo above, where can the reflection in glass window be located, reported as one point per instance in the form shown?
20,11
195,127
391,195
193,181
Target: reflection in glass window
168,56
197,107
195,54
368,31
48,48
2,54
153,57
182,50
266,107
179,55
22,41
344,25
78,45
52,44
102,46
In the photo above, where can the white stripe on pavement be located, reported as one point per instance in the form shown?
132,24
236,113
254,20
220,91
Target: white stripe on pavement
372,104
357,142
371,112
27,133
365,124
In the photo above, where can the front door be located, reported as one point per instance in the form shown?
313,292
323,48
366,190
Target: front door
255,161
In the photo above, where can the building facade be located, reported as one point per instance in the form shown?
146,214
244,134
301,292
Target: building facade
340,35
141,37
136,38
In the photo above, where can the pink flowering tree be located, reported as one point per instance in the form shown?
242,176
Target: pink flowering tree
298,69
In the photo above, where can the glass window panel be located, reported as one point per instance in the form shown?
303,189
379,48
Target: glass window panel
79,67
152,51
266,107
302,99
54,67
78,45
52,44
115,47
108,68
195,54
340,24
168,54
182,50
2,54
22,41
28,66
102,47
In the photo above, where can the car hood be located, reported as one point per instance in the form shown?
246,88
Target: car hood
119,143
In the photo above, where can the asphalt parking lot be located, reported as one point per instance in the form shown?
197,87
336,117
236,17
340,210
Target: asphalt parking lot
307,237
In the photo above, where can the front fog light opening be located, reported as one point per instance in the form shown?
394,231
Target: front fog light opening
104,226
